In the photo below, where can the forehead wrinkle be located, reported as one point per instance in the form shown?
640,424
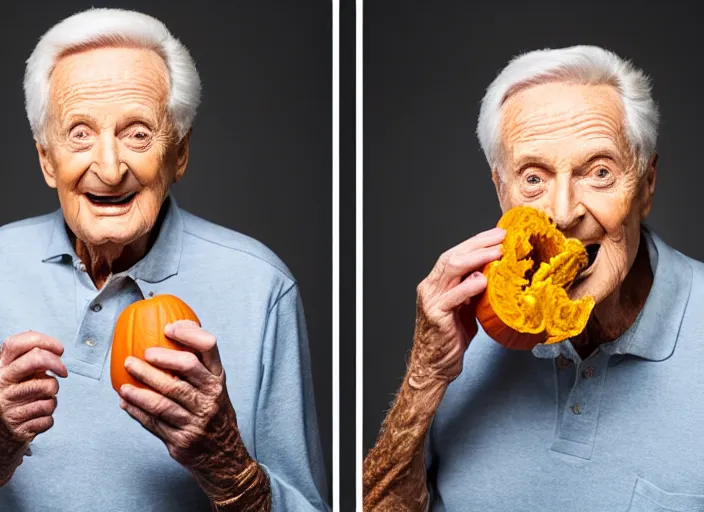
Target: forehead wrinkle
550,130
548,146
592,140
98,109
541,126
102,87
79,98
143,81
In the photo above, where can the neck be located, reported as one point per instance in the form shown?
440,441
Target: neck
615,314
104,260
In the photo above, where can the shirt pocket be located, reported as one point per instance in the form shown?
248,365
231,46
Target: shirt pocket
650,498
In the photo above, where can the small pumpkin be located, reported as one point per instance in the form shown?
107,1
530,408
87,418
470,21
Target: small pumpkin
140,326
526,302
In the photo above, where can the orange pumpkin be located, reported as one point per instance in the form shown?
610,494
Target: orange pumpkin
140,326
526,301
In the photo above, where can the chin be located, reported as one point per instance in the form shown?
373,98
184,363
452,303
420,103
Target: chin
596,284
119,236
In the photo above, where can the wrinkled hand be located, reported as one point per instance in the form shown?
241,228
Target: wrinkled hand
190,411
27,393
445,311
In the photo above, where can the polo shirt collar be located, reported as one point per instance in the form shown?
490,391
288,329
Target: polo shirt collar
654,333
162,260
59,242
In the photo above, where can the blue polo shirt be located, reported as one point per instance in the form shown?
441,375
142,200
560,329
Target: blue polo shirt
544,430
96,457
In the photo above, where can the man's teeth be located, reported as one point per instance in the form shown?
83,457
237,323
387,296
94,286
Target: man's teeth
124,198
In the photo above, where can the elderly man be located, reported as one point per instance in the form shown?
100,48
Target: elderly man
110,97
609,420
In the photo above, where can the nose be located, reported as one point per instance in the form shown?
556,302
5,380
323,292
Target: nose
107,165
565,208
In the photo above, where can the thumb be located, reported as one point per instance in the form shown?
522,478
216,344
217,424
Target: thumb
467,316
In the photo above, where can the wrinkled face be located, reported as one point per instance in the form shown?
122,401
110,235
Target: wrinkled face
111,152
565,152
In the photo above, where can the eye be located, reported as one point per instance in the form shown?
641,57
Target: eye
602,173
139,135
533,179
79,132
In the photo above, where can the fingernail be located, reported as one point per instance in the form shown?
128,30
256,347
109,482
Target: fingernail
123,404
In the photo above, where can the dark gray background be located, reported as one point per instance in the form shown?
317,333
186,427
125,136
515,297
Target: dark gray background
261,150
427,186
347,453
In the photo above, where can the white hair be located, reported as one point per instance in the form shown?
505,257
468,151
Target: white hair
588,65
111,28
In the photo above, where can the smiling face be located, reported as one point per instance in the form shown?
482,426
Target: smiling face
111,152
564,151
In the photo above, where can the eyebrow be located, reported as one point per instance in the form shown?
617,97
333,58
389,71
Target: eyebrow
139,118
539,161
76,117
532,161
602,154
132,117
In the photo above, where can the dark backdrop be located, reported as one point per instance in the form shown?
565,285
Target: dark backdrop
426,183
261,149
347,453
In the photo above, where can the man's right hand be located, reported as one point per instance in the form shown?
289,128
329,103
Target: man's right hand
394,473
445,316
27,393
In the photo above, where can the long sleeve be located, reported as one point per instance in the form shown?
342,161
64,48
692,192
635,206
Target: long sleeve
286,428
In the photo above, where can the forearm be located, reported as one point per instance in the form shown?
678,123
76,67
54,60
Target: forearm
252,492
230,477
394,475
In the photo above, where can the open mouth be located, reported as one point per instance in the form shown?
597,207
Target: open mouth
111,199
592,252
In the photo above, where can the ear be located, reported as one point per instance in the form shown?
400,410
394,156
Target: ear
47,167
648,186
182,155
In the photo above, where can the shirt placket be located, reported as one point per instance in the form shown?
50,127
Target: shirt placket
97,312
580,386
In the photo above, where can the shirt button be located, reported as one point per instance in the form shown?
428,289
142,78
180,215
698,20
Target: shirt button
82,267
90,343
589,372
96,308
563,363
577,408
